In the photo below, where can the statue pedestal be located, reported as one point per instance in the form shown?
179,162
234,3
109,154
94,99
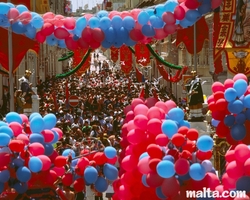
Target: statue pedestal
202,127
35,101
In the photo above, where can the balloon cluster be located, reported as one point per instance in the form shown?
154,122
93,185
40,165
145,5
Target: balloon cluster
29,160
161,153
230,106
105,29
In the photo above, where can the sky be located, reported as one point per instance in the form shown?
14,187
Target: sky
81,3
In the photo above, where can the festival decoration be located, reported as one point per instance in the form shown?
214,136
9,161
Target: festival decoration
125,59
142,54
114,54
78,55
66,56
103,29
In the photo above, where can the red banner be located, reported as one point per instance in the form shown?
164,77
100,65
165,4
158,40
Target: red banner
21,45
142,54
78,56
114,54
126,59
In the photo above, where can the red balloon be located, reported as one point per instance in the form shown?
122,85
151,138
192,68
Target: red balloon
228,83
247,167
228,182
112,161
235,170
222,130
23,138
53,156
192,4
192,134
189,146
79,185
136,35
13,14
204,155
154,126
82,44
47,29
183,130
69,23
135,136
153,163
242,153
16,128
153,179
61,33
100,158
170,28
230,156
221,104
210,99
70,43
81,166
67,179
170,187
216,3
60,161
48,135
94,44
181,166
46,162
186,155
16,145
178,139
25,17
129,163
141,121
168,18
98,34
36,149
154,151
48,15
160,34
218,115
59,131
161,139
218,95
5,159
179,13
87,34
58,21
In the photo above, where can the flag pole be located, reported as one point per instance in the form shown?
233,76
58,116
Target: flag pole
195,50
11,81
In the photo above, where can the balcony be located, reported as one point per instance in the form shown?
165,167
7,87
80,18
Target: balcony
145,3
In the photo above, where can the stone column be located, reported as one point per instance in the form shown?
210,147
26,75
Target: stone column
210,22
35,101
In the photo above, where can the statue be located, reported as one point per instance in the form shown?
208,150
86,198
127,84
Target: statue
195,98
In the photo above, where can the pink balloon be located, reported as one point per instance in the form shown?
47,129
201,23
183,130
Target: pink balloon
136,35
61,33
114,13
135,12
129,116
161,140
210,99
143,165
136,102
67,179
87,34
48,15
168,18
53,156
140,109
48,135
13,14
98,34
221,189
40,37
240,76
230,156
154,126
69,23
235,170
88,16
170,28
160,34
170,104
162,105
70,43
131,125
129,163
141,121
154,112
218,87
58,21
125,14
136,136
47,29
59,170
16,128
127,109
242,198
25,17
179,13
23,138
150,102
184,7
229,83
24,117
228,182
242,153
36,149
59,131
46,162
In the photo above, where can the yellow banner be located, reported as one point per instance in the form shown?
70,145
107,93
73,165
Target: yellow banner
41,6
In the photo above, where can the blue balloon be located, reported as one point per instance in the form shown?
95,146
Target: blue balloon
31,33
21,8
34,114
143,180
148,30
165,169
4,8
18,162
159,193
230,94
23,174
105,23
235,107
242,184
238,132
51,40
128,23
176,114
2,123
105,44
110,172
14,117
94,22
36,137
56,137
150,12
81,23
207,196
215,122
170,5
240,86
102,13
101,184
67,152
7,130
4,139
4,176
159,10
74,163
240,118
229,120
49,121
247,113
37,21
4,21
246,101
186,23
204,8
169,158
169,128
130,42
49,149
61,44
90,174
116,22
143,17
35,164
184,177
110,152
37,124
122,34
156,22
143,155
117,43
184,123
21,188
197,172
1,187
75,38
205,143
110,35
192,15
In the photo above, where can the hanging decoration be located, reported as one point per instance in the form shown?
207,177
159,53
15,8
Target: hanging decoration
168,76
66,56
84,59
142,54
78,55
114,54
126,59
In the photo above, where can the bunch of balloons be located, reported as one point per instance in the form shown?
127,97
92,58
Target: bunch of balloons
230,106
105,29
29,160
161,154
